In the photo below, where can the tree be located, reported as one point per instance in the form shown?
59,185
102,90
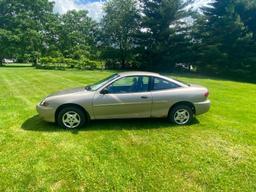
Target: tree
51,36
23,22
77,34
119,25
227,45
7,38
247,12
163,35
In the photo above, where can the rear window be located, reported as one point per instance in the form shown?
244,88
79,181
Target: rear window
163,84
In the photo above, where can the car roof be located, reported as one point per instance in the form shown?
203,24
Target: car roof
138,73
144,73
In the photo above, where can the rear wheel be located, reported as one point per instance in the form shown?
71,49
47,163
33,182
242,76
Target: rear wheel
71,118
181,115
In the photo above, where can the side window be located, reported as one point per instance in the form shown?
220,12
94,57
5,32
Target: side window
131,84
162,84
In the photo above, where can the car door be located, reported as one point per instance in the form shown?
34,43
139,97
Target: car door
164,94
128,97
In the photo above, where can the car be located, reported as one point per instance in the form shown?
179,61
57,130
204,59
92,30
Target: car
126,95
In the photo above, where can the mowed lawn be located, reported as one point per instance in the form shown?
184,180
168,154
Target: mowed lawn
216,153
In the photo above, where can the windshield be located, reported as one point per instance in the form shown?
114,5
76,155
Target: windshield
99,84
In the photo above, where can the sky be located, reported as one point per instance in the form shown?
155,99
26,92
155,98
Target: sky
94,7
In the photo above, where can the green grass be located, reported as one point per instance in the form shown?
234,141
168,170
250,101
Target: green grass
216,153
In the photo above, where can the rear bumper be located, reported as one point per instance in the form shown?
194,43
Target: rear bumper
202,107
46,113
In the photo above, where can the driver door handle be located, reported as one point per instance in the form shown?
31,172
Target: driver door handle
143,97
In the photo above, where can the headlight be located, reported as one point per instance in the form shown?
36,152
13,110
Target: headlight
44,103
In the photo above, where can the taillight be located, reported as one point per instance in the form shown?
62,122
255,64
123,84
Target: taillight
206,94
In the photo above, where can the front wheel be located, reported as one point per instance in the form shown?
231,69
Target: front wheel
71,118
181,115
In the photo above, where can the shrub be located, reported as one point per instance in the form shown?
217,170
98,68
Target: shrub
52,63
70,63
62,63
86,63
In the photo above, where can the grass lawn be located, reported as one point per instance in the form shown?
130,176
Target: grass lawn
216,153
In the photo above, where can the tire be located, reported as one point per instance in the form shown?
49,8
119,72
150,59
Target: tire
71,118
181,115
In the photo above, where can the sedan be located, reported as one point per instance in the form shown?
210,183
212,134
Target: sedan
126,95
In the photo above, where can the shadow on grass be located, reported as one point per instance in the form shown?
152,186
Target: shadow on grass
35,123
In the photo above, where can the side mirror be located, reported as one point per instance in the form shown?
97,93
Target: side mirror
104,91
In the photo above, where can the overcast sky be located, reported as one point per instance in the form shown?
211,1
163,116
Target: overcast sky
94,7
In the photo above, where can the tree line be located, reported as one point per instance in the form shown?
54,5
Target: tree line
220,38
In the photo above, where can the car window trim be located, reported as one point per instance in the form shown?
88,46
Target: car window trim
148,90
152,84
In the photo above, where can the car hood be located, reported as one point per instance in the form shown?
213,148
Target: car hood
69,91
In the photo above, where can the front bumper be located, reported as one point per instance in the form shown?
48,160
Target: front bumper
46,113
202,107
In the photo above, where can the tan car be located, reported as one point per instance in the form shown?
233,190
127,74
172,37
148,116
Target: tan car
126,95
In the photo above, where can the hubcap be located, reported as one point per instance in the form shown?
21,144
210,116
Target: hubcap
71,119
181,116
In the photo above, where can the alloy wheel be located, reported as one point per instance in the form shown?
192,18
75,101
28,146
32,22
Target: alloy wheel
71,119
181,116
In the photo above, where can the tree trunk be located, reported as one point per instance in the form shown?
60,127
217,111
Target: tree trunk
189,68
123,59
1,62
35,62
122,63
122,55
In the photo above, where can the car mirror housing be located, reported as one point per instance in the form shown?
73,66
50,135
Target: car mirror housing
104,91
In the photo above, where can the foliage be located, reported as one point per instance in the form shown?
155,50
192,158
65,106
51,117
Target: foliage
62,63
119,26
7,38
22,24
163,35
88,64
56,63
227,41
77,35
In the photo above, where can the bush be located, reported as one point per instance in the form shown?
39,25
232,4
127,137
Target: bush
86,63
70,63
52,63
62,63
